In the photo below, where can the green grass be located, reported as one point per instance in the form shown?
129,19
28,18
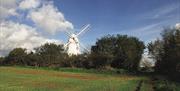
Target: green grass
28,79
76,79
80,70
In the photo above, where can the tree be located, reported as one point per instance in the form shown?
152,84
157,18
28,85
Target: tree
102,53
131,51
33,59
1,60
171,56
156,51
167,52
120,51
50,54
16,57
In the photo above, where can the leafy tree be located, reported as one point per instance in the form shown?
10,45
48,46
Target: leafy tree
34,60
131,51
50,54
156,49
103,52
16,57
167,52
1,60
171,57
120,51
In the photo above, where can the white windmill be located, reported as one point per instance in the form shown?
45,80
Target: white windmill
73,45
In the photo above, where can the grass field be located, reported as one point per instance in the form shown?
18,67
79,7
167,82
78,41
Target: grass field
68,79
75,79
28,79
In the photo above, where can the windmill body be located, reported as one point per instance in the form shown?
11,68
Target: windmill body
73,45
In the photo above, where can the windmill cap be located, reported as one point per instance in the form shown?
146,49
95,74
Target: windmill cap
73,35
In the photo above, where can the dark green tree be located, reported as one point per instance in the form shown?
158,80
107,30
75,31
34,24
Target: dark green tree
102,54
129,50
16,57
119,51
1,60
167,53
50,54
171,56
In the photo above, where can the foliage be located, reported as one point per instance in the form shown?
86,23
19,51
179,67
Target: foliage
156,49
162,84
1,60
16,57
50,54
167,53
120,50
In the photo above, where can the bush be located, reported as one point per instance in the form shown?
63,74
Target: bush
163,86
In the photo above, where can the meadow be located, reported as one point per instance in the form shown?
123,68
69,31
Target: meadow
75,79
28,79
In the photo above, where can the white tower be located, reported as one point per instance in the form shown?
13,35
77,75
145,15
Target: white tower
73,45
177,26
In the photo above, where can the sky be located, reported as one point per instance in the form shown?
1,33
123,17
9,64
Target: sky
31,23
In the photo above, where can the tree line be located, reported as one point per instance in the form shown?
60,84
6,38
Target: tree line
111,51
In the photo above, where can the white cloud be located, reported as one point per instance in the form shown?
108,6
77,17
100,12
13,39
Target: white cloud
7,8
28,4
43,14
8,3
50,19
13,35
46,17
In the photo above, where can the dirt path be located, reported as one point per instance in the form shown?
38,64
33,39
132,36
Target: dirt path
139,86
145,85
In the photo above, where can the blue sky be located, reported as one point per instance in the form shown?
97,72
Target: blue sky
141,18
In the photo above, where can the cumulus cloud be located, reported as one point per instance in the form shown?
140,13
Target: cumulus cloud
50,19
15,35
29,4
7,8
43,15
